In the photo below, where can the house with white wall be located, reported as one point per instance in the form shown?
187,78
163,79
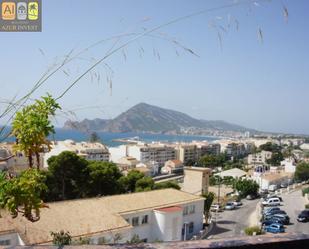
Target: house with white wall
164,215
289,165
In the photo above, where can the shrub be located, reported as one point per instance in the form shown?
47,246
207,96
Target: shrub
307,206
255,229
305,191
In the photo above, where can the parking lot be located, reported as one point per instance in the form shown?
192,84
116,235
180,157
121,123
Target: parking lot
232,223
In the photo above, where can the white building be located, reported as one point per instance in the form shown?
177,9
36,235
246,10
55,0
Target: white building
259,158
17,160
118,152
90,151
172,166
193,151
289,165
235,173
165,215
271,178
151,165
152,152
144,152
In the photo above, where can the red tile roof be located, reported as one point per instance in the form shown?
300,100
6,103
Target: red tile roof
170,209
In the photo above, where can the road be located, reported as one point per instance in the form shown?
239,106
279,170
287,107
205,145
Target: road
232,223
293,204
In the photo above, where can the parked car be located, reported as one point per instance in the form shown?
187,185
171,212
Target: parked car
274,219
252,197
273,201
303,216
270,209
284,217
229,206
274,228
271,221
273,196
237,203
263,193
272,212
284,185
272,187
215,208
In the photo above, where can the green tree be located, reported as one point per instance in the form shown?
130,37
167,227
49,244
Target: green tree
103,178
94,137
66,177
31,127
209,198
128,182
269,146
302,172
22,194
169,184
246,187
212,161
61,238
144,184
276,158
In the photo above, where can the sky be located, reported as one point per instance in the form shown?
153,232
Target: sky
249,67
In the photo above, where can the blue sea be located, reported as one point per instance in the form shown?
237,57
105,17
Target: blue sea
108,138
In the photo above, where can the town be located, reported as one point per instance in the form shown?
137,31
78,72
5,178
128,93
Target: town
154,124
164,191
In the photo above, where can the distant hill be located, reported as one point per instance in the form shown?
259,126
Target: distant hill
148,118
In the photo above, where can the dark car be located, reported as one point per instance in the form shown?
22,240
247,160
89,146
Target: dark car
285,218
276,211
269,210
303,216
252,197
271,221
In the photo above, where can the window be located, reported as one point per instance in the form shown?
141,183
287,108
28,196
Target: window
145,219
185,210
191,227
5,242
192,209
135,221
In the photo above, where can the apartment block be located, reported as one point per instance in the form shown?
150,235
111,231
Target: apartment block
90,151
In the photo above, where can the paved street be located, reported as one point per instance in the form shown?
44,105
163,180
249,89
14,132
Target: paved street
232,223
293,203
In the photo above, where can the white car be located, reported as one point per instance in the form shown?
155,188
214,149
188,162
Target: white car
215,208
237,203
229,206
275,201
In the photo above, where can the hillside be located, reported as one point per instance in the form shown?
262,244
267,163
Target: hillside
148,118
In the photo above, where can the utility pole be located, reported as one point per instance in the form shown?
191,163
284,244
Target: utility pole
219,179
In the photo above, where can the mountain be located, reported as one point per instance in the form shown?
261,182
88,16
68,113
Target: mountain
148,118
